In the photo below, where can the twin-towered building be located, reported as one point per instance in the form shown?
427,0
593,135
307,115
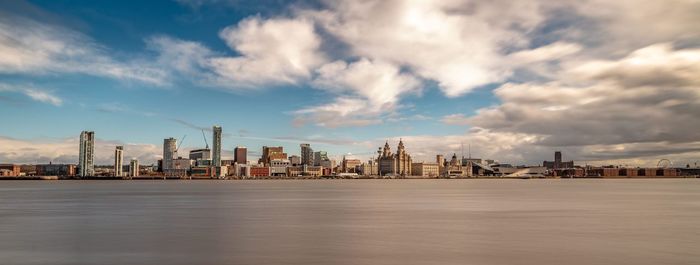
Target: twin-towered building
394,164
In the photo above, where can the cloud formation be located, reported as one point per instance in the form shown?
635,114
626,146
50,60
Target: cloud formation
34,93
34,48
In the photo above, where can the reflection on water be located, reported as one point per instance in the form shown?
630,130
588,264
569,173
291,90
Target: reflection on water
351,222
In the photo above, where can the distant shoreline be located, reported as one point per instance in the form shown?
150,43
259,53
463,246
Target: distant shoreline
56,178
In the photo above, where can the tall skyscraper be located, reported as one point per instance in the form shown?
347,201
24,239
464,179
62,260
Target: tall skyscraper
118,161
216,147
307,155
87,154
134,168
240,155
169,153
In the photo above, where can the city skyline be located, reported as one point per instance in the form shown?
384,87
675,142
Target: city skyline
583,78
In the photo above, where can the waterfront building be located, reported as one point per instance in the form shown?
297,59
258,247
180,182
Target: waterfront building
305,171
278,167
455,169
272,152
86,156
55,170
259,171
10,170
118,161
169,153
180,167
425,169
370,168
134,168
350,165
216,146
307,154
558,163
398,164
240,155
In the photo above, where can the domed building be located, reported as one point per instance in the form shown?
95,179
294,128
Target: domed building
398,164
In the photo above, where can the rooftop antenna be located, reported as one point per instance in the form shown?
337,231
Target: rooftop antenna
205,139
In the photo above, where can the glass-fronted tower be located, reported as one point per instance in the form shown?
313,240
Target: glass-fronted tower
87,154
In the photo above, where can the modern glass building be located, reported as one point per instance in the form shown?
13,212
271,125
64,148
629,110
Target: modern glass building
86,164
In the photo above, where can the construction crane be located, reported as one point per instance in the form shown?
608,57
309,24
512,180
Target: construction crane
180,144
205,139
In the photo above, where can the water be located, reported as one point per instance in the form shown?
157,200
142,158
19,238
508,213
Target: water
351,222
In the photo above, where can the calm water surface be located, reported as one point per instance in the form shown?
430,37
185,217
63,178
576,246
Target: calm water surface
351,222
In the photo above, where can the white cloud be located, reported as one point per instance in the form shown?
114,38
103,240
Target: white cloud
31,47
456,43
34,93
273,51
365,90
44,96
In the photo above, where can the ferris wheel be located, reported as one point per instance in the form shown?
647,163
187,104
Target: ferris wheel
664,163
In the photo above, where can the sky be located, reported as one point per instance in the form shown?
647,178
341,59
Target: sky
605,82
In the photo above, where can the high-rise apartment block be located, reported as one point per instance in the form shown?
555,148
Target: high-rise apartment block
118,161
169,153
216,147
87,154
134,168
307,155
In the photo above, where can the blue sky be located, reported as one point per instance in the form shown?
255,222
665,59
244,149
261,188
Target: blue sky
342,75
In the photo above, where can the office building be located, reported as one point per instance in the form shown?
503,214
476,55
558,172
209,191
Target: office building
200,154
134,168
307,154
426,170
240,155
169,153
305,171
216,147
118,161
369,169
86,156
